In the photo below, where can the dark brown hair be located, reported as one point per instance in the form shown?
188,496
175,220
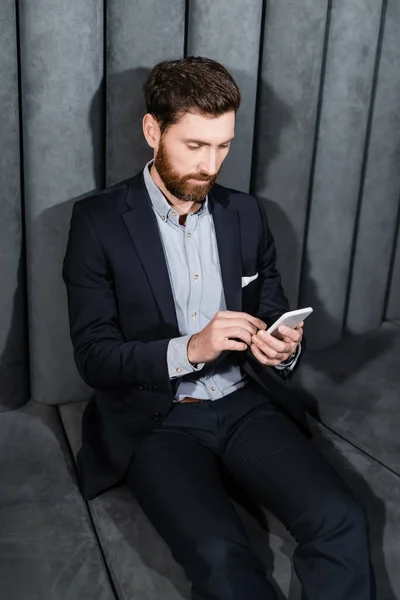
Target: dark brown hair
195,83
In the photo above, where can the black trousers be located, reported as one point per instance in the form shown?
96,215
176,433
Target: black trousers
176,479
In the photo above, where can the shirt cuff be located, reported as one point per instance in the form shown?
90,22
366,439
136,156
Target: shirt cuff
292,363
177,358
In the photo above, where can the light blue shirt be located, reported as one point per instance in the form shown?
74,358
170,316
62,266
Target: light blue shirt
192,259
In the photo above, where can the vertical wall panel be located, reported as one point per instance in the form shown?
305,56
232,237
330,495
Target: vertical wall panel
61,51
377,226
139,35
229,31
349,75
393,309
286,116
13,338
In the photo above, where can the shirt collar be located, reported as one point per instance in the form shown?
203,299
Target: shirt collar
158,199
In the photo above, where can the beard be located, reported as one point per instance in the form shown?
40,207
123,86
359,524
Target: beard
180,186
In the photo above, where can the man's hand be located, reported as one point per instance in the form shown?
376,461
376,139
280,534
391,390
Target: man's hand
227,330
270,351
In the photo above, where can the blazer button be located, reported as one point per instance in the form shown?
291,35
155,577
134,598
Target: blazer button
157,416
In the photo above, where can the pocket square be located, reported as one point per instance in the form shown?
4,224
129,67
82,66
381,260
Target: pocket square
248,279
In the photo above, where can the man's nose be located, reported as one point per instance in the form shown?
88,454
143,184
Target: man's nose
210,164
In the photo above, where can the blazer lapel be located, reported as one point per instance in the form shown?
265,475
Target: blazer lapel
141,223
227,231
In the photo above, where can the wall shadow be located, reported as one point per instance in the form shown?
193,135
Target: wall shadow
125,148
54,377
14,360
293,265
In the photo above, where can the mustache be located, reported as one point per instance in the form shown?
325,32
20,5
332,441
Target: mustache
201,177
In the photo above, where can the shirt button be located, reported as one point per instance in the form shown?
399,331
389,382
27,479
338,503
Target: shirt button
196,276
174,213
178,370
212,388
189,235
194,314
163,218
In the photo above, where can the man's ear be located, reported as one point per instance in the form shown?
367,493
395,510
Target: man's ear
151,130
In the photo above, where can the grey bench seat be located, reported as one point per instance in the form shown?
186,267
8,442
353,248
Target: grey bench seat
48,548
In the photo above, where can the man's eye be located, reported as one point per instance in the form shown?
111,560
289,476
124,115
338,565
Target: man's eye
193,147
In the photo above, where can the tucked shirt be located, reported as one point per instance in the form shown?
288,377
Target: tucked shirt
192,259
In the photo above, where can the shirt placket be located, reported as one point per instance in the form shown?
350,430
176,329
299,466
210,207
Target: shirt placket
195,276
196,291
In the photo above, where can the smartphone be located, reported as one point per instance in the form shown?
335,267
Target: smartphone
290,319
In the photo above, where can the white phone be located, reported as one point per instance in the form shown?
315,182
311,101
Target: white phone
290,319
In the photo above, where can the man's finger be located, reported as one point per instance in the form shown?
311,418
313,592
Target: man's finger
294,334
225,323
231,314
272,353
275,343
237,333
262,358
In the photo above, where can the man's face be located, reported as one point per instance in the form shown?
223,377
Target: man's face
190,154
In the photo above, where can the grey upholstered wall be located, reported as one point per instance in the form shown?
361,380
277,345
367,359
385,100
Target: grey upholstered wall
318,140
13,334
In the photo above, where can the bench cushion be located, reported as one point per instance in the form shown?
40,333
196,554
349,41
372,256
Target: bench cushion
47,544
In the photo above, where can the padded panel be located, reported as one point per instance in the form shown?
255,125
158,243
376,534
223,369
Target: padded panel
380,203
229,31
393,309
61,54
139,35
48,550
285,128
13,335
342,132
355,387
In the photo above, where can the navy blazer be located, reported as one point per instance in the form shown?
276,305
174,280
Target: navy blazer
122,315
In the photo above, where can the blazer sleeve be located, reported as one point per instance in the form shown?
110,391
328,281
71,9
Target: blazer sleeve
272,301
104,359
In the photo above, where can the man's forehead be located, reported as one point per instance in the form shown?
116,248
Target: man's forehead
198,126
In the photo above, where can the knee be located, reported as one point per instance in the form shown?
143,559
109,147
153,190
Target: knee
343,513
218,553
219,558
340,514
351,515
